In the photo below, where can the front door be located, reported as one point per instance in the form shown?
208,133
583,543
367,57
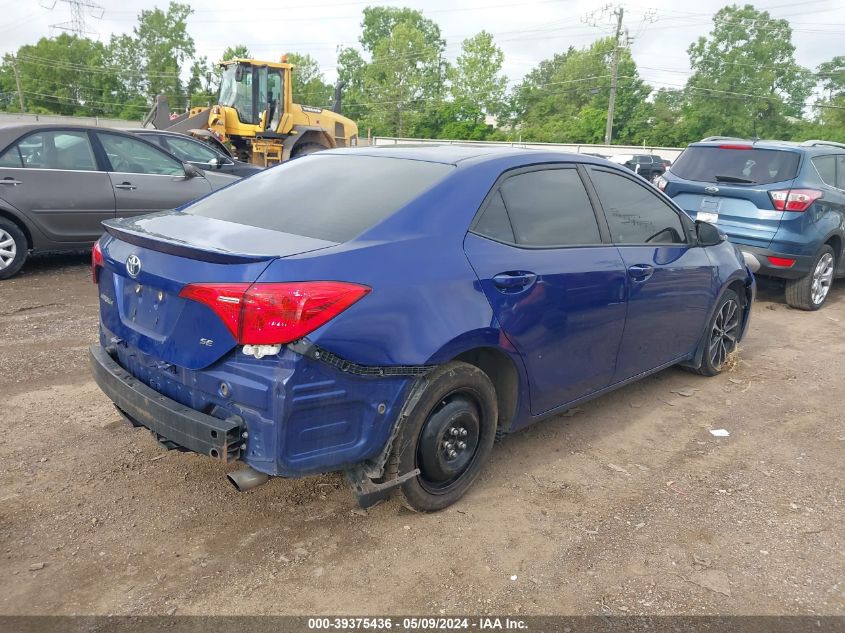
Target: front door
670,280
556,289
146,179
53,177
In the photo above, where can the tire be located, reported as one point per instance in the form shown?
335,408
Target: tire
13,248
811,291
721,338
306,148
457,406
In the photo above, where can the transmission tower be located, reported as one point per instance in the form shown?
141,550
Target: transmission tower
79,11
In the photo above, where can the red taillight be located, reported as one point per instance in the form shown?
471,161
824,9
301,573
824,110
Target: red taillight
794,199
736,146
272,313
781,261
96,261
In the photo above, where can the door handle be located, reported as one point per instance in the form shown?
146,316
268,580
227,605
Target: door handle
514,281
8,180
640,272
125,185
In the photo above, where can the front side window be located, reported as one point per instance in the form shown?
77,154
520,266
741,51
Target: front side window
132,156
635,214
188,150
64,150
11,158
550,208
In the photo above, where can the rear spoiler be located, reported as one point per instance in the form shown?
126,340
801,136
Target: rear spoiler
172,246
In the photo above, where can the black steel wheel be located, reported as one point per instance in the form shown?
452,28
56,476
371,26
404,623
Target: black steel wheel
448,434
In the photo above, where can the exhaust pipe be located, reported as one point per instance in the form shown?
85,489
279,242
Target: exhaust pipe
247,479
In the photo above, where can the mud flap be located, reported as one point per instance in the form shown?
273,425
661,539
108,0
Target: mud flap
369,492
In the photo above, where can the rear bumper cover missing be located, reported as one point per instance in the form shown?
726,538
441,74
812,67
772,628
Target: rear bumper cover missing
166,418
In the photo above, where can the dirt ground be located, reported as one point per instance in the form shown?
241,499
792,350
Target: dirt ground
629,506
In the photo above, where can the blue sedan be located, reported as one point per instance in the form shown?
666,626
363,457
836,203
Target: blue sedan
388,312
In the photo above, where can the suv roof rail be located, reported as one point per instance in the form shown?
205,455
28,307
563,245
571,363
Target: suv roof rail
817,143
722,138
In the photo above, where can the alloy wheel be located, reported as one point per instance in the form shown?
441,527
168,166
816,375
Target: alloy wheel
724,334
822,278
8,249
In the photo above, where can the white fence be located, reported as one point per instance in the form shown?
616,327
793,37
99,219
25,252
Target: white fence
12,118
670,153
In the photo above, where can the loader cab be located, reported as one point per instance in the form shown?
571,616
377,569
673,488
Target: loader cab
256,91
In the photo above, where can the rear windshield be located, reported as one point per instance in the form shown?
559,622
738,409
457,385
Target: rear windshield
328,197
742,166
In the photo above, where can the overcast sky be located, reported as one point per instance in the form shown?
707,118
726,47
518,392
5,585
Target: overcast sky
527,31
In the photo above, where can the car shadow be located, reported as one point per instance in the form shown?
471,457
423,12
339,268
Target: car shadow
773,290
54,262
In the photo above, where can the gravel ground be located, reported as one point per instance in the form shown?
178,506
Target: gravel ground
629,506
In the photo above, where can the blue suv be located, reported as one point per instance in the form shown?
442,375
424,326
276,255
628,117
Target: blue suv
781,203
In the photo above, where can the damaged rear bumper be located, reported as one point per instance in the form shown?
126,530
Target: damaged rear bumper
169,420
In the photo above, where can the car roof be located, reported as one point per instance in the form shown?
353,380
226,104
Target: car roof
460,154
12,132
820,147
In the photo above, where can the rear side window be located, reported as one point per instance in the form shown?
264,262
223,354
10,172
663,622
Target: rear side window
494,222
65,150
326,196
550,208
840,171
742,166
635,214
826,166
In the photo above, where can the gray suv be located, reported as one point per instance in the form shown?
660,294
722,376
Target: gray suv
57,183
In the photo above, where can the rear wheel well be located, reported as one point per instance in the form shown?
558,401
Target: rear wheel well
502,372
835,242
8,216
314,136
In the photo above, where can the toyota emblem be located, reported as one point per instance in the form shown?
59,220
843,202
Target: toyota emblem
711,189
133,265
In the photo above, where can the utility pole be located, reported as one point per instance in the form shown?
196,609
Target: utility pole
614,75
18,82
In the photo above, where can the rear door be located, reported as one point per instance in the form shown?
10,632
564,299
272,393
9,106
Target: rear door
53,177
146,179
669,280
556,287
729,184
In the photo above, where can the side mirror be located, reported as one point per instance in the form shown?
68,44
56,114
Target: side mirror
191,171
708,234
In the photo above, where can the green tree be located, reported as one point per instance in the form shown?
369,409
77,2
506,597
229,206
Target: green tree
477,81
565,98
163,45
309,88
405,73
746,53
67,75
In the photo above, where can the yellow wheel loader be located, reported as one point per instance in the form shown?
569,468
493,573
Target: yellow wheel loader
256,119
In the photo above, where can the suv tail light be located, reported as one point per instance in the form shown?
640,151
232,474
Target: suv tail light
275,313
661,183
96,261
794,199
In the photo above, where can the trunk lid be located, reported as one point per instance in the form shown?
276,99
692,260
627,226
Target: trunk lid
148,260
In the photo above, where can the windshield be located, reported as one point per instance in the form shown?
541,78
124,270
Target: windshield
365,190
732,165
238,93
